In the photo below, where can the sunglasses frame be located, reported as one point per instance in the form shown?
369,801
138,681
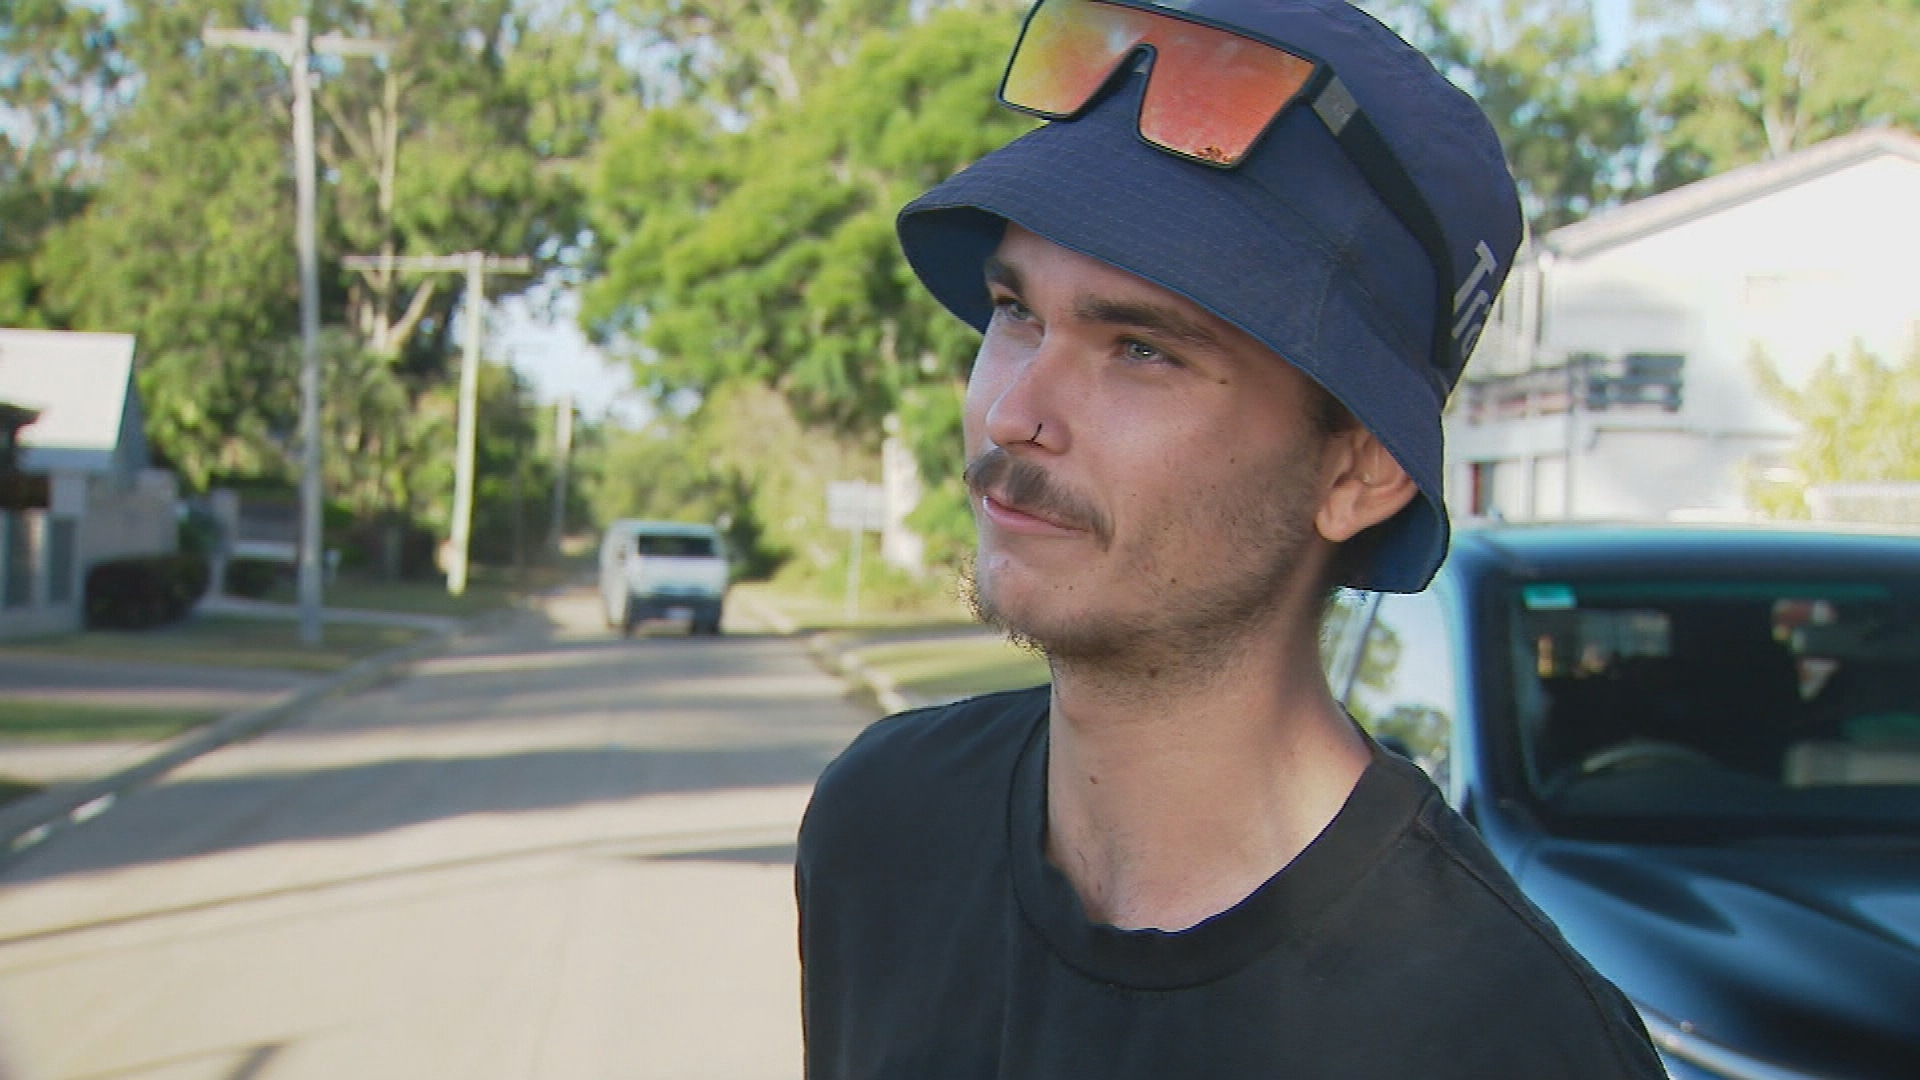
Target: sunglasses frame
1343,118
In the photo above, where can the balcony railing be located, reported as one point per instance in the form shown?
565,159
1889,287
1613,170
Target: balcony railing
1589,382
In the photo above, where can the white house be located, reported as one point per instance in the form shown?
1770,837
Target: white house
1616,380
91,494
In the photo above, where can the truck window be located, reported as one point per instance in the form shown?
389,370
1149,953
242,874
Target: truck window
1345,620
1726,707
1403,690
700,547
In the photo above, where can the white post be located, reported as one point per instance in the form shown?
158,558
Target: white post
563,453
298,59
1574,388
464,437
296,48
853,572
475,265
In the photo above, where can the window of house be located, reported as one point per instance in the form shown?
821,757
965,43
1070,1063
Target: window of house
16,589
63,537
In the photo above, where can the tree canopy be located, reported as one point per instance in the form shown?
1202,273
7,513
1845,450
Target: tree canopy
1724,85
768,254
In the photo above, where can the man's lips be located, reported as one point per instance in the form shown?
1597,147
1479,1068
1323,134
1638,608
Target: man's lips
1007,516
1017,496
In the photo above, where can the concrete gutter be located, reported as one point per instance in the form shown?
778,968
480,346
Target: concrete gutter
26,822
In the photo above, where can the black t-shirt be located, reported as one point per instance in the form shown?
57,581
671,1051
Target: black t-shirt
937,942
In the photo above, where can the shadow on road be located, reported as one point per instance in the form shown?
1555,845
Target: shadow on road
535,726
196,817
764,855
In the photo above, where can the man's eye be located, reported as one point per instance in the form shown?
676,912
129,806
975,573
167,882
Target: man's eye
1142,353
1011,308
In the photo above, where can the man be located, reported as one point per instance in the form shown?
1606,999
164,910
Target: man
1224,293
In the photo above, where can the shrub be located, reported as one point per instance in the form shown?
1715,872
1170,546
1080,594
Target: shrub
144,591
253,578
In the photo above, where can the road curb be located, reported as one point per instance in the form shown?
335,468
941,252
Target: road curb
27,822
836,660
843,663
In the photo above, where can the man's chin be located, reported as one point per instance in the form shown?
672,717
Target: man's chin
1056,634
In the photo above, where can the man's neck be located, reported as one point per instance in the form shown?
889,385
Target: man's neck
1172,798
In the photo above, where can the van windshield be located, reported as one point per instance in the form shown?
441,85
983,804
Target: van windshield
667,544
1736,708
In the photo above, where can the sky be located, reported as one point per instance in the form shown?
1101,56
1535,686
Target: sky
557,359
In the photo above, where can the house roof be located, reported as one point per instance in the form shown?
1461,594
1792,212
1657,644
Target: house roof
82,387
1702,197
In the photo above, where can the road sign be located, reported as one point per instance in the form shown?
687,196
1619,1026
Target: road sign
856,505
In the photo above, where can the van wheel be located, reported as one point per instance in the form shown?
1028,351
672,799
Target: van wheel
627,621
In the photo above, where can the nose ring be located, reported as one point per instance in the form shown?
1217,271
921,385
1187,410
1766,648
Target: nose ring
1036,432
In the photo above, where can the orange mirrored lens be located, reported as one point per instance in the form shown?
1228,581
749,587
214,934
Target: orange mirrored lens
1212,93
1209,96
1068,50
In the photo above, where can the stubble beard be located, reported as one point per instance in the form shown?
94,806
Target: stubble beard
1187,630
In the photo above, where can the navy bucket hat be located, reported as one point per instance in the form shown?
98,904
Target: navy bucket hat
1293,246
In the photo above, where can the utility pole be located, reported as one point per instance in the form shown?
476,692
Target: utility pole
562,456
296,48
476,265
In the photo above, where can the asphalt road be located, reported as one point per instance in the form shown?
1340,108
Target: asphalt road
549,854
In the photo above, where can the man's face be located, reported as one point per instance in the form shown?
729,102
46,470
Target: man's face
1144,475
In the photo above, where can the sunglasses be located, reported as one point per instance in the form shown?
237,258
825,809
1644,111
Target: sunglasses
1212,92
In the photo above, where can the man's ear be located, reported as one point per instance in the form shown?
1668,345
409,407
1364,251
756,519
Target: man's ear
1366,486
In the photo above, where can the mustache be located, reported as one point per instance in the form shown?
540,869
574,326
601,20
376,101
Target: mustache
1028,487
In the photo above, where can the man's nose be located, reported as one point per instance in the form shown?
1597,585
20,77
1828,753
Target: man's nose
1028,404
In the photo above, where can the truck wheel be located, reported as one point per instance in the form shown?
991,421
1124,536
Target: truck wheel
628,622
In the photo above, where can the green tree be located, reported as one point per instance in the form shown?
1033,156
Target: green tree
766,256
186,242
769,254
1859,423
186,238
1725,85
443,148
741,59
58,77
1568,119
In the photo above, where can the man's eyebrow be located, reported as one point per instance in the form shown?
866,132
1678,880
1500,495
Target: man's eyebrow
999,272
1155,318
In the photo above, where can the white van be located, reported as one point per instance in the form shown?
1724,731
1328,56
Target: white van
663,570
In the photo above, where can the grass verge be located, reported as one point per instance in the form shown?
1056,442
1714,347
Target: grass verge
813,610
43,721
11,789
954,667
226,641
